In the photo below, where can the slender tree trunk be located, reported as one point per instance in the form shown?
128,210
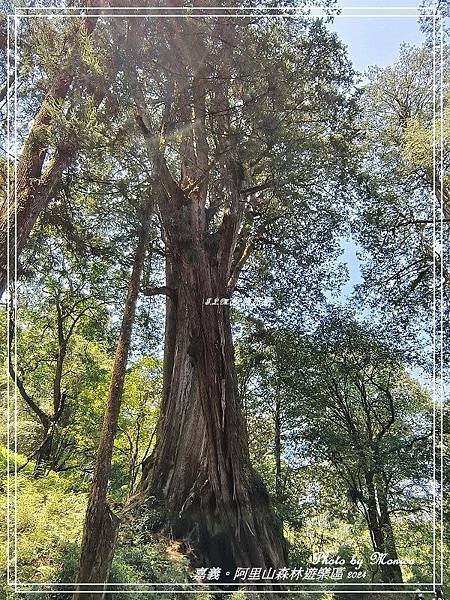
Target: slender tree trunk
382,534
278,475
101,525
43,456
395,572
373,517
200,472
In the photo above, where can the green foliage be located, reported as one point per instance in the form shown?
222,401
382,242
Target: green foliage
346,407
49,522
399,194
158,561
328,399
137,424
49,526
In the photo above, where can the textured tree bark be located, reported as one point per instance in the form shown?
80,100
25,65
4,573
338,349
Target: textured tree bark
172,280
101,524
200,473
394,571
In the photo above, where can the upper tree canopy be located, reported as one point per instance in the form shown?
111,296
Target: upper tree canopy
260,106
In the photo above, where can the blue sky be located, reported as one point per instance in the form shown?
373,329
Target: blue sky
373,40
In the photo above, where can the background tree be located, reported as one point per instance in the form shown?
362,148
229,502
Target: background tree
394,225
375,416
350,409
65,73
52,351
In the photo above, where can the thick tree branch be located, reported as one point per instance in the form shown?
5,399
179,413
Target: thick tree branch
42,416
160,291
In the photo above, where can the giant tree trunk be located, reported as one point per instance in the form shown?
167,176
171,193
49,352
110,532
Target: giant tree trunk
200,472
101,524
